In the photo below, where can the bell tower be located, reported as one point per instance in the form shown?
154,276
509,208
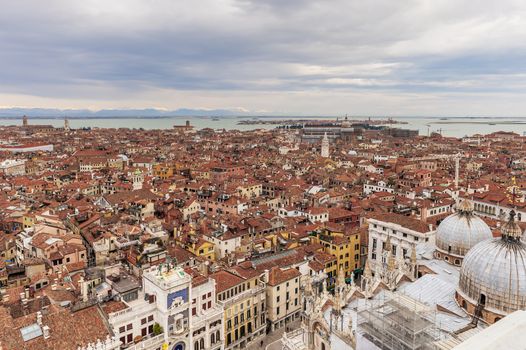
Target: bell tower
325,146
137,179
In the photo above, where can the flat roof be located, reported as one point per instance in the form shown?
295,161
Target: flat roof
506,334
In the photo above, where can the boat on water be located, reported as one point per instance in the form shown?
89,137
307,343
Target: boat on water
215,119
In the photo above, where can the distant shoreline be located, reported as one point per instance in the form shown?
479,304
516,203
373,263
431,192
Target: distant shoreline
443,120
504,122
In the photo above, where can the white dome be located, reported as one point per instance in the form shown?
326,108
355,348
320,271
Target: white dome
496,269
460,231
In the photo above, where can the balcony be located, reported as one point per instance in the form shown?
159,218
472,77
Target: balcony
209,314
135,307
150,343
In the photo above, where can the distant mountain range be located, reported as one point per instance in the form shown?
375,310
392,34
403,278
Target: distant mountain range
116,113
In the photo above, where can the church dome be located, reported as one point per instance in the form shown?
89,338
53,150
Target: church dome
460,231
494,274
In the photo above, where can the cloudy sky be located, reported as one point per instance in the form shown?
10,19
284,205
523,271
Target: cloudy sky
334,57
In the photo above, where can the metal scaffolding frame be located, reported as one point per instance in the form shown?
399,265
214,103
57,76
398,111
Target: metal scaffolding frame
398,322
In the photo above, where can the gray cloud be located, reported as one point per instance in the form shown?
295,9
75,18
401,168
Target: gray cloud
224,53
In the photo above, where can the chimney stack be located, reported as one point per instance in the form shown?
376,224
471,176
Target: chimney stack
45,330
204,268
266,276
83,289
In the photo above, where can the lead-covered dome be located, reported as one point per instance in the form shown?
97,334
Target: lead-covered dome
459,232
493,275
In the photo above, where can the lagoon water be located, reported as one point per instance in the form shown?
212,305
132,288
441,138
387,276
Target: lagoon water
454,126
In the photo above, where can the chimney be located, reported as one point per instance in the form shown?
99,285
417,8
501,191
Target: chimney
26,293
39,318
266,276
204,268
45,330
83,289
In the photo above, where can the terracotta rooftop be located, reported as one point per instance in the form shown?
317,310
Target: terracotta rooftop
113,306
279,276
67,330
225,280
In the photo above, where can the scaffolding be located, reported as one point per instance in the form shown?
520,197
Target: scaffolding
398,322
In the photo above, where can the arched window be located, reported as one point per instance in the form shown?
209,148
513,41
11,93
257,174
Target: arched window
464,305
196,345
212,338
482,299
457,262
218,336
202,343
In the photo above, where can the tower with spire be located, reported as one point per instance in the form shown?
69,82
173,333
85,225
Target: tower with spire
66,124
457,169
325,146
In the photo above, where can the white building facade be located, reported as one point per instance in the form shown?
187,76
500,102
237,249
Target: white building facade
380,186
187,315
496,211
402,240
207,316
13,167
